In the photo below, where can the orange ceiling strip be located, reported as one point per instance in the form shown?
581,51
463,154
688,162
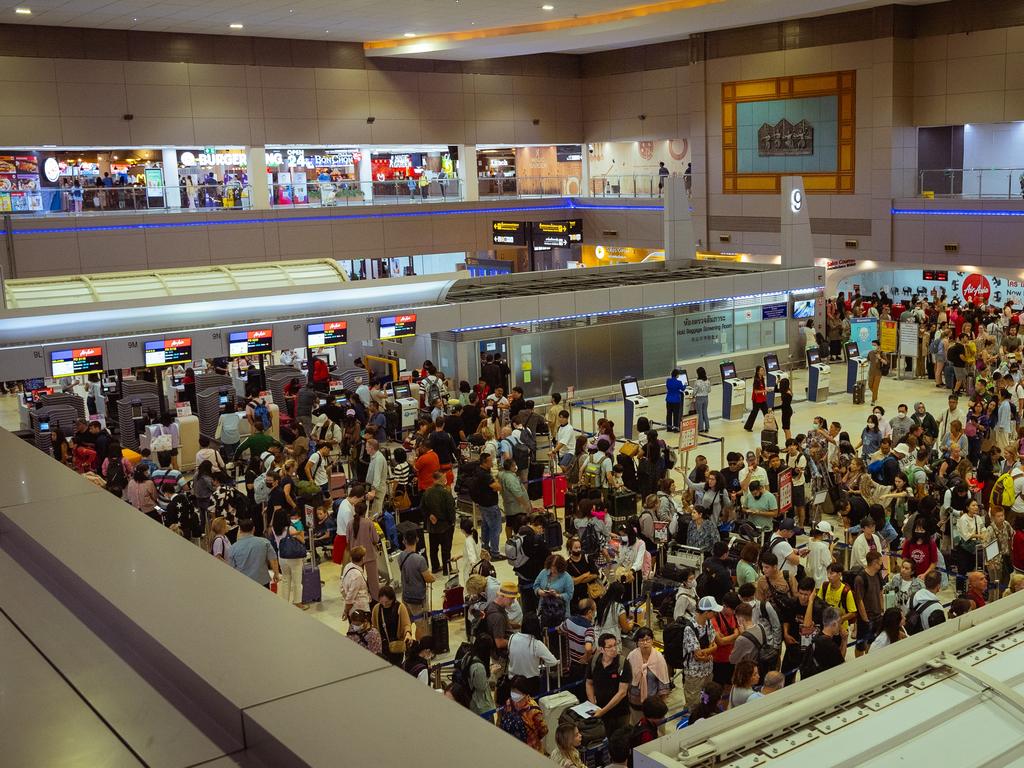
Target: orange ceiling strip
609,17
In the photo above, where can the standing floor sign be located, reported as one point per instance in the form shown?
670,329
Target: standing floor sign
887,335
688,433
863,330
785,491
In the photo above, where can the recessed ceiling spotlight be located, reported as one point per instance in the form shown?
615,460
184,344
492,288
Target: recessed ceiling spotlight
237,26
23,11
547,7
134,19
410,34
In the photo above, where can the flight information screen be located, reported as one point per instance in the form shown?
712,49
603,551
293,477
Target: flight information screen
76,362
397,326
258,342
327,334
168,352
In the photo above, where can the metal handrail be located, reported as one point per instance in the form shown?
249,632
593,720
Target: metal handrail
975,183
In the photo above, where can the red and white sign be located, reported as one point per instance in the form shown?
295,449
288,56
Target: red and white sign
785,491
976,289
688,433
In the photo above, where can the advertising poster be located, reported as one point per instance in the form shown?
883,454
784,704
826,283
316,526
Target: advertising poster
785,491
863,330
887,335
284,188
299,195
688,433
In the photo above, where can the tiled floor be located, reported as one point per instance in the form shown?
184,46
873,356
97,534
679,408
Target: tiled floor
839,407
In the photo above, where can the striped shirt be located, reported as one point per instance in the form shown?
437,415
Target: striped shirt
579,633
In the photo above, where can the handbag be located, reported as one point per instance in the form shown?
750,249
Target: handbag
291,548
596,590
401,500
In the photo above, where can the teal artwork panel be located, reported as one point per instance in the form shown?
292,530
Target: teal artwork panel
820,111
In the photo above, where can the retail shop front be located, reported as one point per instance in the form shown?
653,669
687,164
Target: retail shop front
322,176
530,170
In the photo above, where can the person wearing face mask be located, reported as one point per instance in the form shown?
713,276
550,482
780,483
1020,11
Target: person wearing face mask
585,574
901,424
927,421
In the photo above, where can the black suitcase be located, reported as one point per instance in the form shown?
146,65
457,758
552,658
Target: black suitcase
858,393
769,437
623,507
553,534
439,632
535,480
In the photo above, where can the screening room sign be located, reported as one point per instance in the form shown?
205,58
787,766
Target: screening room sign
688,433
785,491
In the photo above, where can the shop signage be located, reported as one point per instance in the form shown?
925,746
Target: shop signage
211,158
51,168
568,153
400,161
508,233
976,289
704,332
935,275
557,234
773,311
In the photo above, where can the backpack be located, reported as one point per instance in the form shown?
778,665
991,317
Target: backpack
673,641
1002,492
551,611
262,414
182,511
772,633
464,663
512,722
850,576
913,621
590,475
520,453
934,346
757,642
260,493
590,539
266,460
527,437
515,552
842,596
116,477
433,391
809,665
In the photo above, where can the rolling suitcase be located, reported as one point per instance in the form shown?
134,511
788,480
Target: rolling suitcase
311,592
769,437
858,393
453,597
591,729
553,533
438,626
338,482
555,488
535,480
552,708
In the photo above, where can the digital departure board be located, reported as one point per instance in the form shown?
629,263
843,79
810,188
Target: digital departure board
936,275
397,326
508,232
76,362
258,342
327,334
168,352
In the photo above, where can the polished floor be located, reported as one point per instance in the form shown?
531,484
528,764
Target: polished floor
725,435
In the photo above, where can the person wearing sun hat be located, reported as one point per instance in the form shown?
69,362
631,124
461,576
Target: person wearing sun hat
496,616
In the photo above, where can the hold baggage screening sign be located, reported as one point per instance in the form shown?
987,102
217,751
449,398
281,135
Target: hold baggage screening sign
688,433
785,491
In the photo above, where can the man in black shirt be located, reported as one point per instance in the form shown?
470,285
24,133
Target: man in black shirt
454,424
717,568
827,649
334,412
581,568
802,626
445,448
471,415
536,550
483,490
731,475
503,372
516,401
608,681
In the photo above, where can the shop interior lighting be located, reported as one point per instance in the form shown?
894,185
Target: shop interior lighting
23,11
237,26
547,7
409,34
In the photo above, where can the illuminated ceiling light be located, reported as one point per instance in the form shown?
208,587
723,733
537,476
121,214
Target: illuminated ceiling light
547,7
237,26
410,34
23,11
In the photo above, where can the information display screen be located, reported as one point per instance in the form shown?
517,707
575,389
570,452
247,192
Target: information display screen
168,352
557,234
935,275
327,334
728,370
852,350
803,309
771,363
397,326
813,356
630,388
76,362
508,232
258,342
401,390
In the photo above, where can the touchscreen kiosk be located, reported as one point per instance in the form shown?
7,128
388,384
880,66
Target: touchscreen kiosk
856,372
409,405
734,392
728,369
818,375
852,350
633,403
812,356
771,363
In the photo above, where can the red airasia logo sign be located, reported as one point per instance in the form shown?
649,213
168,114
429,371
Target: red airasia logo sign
976,289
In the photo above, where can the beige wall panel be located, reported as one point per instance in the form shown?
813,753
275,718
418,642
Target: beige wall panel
531,107
222,131
255,98
627,104
494,131
1014,71
289,102
441,106
282,130
159,100
852,55
111,251
305,238
932,48
30,131
23,69
660,101
440,82
1014,39
76,100
596,108
156,73
985,107
351,236
47,255
160,130
981,42
755,66
392,105
628,82
92,131
493,84
28,99
342,105
87,71
344,131
1013,109
438,131
395,131
491,106
287,77
930,110
341,79
175,247
659,78
978,72
217,74
408,233
228,243
219,101
377,80
807,61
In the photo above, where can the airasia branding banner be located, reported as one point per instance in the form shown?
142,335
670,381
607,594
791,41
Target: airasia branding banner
976,289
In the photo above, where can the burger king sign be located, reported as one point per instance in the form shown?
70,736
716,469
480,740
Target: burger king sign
976,289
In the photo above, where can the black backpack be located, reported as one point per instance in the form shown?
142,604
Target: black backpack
182,511
672,640
590,539
913,622
117,479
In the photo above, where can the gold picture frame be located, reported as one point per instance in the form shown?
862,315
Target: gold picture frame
842,84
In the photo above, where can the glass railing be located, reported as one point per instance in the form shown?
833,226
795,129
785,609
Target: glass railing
235,196
977,183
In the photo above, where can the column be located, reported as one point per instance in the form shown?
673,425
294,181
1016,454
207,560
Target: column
797,246
259,187
678,223
172,197
366,175
585,171
466,172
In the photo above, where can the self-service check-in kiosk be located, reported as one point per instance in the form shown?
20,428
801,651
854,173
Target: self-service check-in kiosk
818,375
773,375
734,392
633,403
401,393
688,405
856,366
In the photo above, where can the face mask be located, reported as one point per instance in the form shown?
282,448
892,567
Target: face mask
516,696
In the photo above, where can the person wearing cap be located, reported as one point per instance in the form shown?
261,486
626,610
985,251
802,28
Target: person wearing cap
819,553
699,647
760,506
752,471
780,545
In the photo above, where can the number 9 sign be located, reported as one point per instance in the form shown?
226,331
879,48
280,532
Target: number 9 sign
796,200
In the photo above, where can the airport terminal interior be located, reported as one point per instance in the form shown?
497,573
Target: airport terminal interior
586,383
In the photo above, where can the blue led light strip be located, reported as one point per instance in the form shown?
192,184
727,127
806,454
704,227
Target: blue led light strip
566,204
632,310
951,212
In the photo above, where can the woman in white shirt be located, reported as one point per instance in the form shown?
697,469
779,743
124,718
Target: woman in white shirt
470,548
527,652
206,453
892,629
612,617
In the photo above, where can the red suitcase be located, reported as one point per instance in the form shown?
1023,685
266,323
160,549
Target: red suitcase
453,597
555,487
338,485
